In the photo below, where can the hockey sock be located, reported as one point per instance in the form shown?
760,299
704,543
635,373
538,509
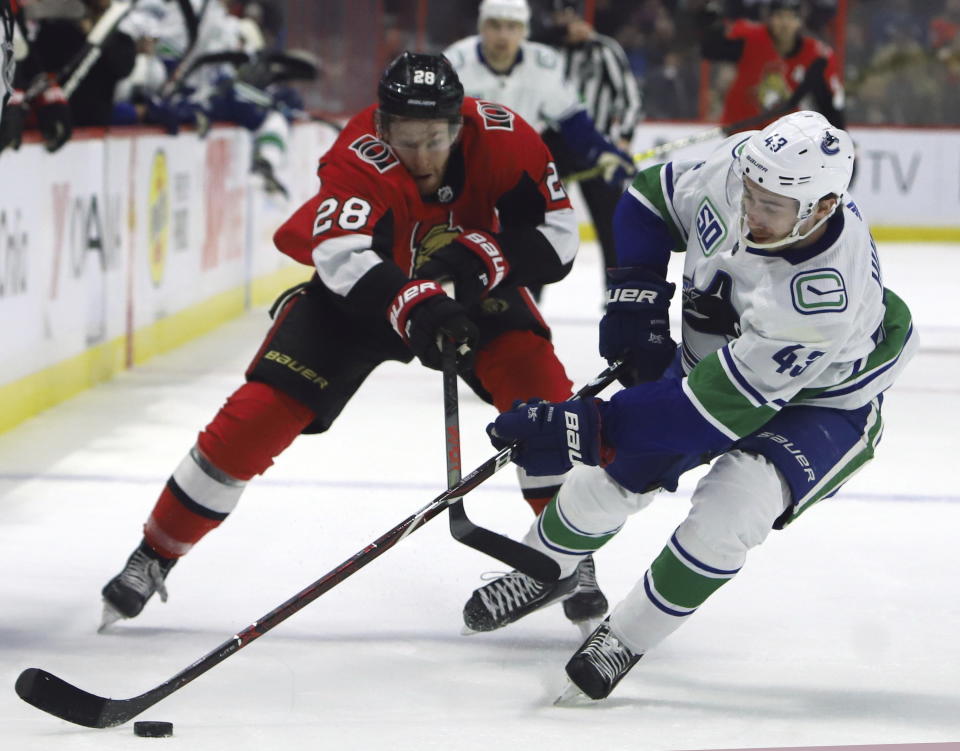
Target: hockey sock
522,365
255,425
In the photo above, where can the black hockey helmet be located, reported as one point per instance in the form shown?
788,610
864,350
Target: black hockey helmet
795,5
421,86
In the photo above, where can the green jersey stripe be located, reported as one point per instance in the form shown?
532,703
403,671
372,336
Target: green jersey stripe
721,402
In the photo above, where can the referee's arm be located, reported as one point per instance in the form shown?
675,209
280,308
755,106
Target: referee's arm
617,103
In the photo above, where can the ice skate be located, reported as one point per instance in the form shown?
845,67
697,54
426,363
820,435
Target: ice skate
125,594
597,667
588,605
510,597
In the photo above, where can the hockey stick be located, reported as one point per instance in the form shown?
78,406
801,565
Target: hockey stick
512,552
720,131
78,68
68,702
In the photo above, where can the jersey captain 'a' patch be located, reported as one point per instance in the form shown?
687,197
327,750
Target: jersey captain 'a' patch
375,152
819,291
711,230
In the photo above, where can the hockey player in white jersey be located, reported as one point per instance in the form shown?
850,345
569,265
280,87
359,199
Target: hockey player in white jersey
499,64
789,341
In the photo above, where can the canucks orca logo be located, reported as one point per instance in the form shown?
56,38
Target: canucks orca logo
710,310
830,144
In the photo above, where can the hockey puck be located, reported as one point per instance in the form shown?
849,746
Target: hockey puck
153,729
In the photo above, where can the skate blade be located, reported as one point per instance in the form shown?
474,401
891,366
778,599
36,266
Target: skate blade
109,616
465,630
572,696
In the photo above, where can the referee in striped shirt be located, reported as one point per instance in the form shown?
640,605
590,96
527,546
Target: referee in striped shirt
601,73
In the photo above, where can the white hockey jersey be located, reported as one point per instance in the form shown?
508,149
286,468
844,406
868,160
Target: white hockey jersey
534,87
766,328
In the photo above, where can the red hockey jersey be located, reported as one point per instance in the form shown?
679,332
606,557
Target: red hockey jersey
368,210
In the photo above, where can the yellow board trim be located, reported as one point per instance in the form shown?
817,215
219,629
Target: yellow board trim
38,391
881,234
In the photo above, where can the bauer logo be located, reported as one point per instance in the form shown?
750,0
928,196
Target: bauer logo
819,291
297,367
158,216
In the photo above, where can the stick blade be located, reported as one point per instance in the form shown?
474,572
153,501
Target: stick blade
57,697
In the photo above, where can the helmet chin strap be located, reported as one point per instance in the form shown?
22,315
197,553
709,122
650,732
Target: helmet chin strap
791,238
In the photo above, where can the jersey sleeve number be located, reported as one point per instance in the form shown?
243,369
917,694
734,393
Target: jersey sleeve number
787,359
353,216
554,186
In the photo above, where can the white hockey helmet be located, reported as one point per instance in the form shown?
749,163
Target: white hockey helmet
511,10
800,156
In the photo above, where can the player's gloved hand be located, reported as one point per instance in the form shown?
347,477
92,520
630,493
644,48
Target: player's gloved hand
636,325
552,435
14,116
421,313
616,165
54,117
473,261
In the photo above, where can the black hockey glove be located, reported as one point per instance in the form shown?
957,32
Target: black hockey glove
636,326
14,116
53,114
421,313
473,261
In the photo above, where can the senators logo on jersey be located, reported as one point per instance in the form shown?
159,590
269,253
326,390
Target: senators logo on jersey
375,152
425,240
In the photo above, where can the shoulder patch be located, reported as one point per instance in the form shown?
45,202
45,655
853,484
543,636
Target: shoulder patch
819,291
375,152
711,230
495,116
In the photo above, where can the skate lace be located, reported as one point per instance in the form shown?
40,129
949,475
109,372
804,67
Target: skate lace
508,592
144,574
607,654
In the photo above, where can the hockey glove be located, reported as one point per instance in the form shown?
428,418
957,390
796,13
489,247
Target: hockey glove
616,165
14,116
54,117
473,261
552,435
421,313
636,325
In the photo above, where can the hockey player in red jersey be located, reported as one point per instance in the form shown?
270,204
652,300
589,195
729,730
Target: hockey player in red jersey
425,186
776,64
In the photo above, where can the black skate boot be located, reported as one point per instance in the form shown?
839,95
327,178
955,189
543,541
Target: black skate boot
127,592
598,666
510,597
588,605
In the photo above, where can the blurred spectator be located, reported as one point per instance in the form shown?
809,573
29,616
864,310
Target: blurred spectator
59,35
777,64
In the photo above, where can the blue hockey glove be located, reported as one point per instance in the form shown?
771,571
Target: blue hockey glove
552,435
636,326
617,165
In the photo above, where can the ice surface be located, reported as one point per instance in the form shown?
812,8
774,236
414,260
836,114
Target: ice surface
840,630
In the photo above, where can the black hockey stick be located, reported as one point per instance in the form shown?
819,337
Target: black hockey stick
512,552
57,697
